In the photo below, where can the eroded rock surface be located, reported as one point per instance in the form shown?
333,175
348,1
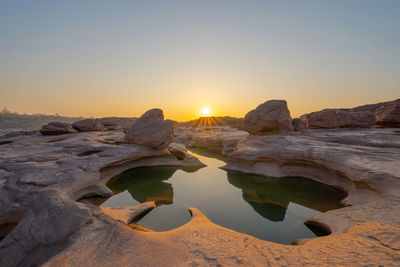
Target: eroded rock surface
42,176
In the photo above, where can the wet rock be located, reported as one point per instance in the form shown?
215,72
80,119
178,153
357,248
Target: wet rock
339,118
271,116
57,128
177,150
298,125
151,130
88,125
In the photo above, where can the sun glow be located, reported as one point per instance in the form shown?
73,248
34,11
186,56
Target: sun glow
205,111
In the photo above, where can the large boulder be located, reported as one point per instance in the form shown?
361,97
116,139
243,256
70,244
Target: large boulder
299,125
88,125
151,130
271,116
339,118
57,128
388,115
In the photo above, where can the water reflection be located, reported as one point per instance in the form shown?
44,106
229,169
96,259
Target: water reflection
145,184
270,197
268,208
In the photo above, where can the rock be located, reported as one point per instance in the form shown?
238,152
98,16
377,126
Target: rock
177,150
129,213
50,228
151,130
298,125
56,128
388,115
270,116
373,107
116,123
339,118
88,125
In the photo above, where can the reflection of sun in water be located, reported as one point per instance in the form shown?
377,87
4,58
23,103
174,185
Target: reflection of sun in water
205,111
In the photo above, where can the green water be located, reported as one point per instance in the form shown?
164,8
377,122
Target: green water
268,208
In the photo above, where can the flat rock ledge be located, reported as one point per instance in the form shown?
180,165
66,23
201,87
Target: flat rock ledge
41,223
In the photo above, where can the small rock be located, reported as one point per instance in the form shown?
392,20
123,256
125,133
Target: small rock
177,150
299,125
151,130
270,116
57,128
88,125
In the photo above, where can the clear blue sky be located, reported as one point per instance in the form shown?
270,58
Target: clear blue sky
102,58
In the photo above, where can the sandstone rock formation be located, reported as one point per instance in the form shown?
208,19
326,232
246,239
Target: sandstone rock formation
151,130
271,116
41,223
388,115
57,128
177,150
339,118
298,125
88,125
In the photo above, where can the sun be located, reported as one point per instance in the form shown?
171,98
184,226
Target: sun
205,111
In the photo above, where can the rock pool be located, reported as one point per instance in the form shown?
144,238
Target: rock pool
272,209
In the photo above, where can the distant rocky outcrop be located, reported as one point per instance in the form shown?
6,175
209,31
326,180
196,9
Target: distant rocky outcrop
388,115
298,125
271,116
88,125
151,130
339,118
215,121
116,123
57,128
384,114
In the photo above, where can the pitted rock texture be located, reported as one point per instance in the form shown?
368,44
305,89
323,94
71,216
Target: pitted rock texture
42,176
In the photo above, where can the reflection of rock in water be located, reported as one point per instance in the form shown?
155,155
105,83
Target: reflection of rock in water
145,184
270,197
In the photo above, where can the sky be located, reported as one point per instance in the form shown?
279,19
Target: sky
99,58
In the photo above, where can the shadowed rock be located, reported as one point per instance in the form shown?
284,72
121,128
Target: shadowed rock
271,116
388,115
151,130
299,125
57,128
339,118
88,125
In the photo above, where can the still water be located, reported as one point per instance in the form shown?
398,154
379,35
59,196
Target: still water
268,208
